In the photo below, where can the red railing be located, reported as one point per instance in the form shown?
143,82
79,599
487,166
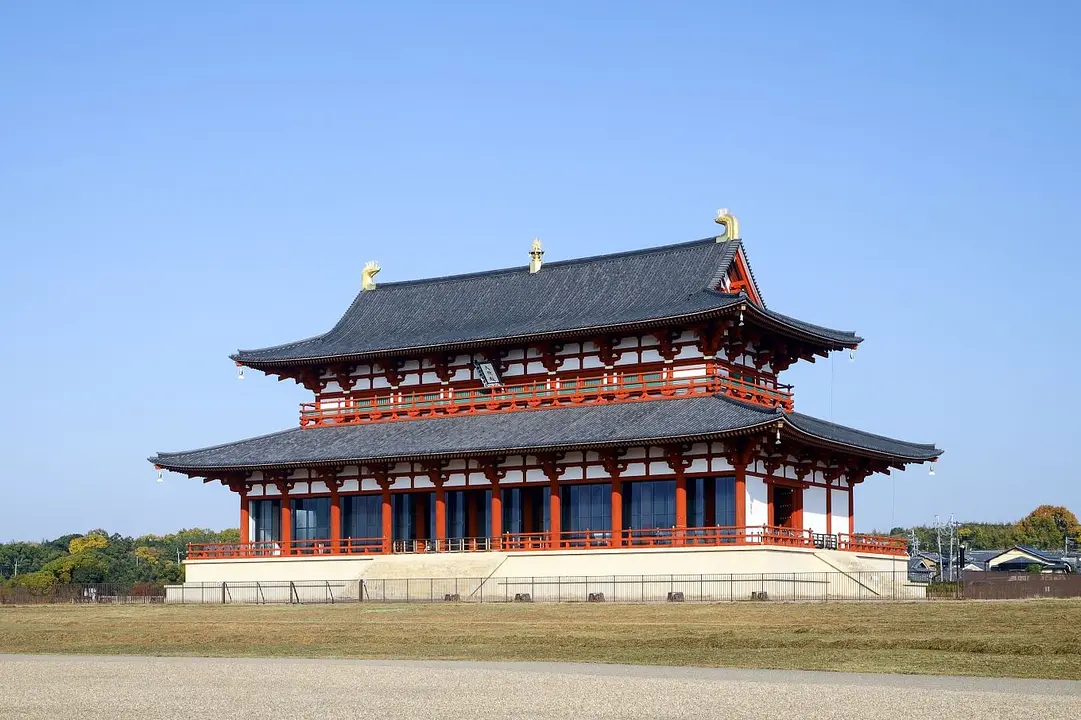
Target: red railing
553,392
277,548
760,535
872,544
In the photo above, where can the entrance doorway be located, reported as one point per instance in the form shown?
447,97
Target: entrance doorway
784,506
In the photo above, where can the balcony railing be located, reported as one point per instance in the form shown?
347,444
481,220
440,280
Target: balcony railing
759,535
553,392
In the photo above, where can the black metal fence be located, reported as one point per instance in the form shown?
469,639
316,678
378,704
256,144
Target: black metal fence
789,587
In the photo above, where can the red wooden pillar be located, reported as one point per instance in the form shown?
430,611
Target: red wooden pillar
440,514
615,468
245,518
494,474
769,502
679,465
335,517
286,520
552,470
554,513
496,511
388,517
851,509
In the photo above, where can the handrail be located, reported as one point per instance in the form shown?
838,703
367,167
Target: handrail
551,392
716,536
278,548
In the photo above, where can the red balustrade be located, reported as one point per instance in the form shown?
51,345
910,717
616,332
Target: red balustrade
277,548
554,392
759,535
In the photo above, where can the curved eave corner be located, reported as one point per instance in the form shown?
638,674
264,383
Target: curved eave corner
897,452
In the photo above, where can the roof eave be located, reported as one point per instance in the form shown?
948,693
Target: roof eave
197,471
814,439
732,304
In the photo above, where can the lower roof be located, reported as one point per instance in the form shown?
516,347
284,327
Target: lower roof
578,427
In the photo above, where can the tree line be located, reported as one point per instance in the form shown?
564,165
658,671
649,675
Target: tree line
1046,528
101,557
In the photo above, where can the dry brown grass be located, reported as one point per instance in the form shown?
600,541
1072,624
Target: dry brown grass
1039,638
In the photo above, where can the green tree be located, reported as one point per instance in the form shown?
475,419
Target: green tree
1046,526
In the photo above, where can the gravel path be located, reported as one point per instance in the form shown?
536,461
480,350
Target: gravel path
33,687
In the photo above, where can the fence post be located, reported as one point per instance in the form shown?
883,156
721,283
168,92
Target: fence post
701,589
223,593
559,588
431,589
642,579
293,592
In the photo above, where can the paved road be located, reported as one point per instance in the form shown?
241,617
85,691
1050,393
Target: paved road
33,687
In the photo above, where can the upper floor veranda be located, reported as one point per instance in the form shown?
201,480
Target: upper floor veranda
634,367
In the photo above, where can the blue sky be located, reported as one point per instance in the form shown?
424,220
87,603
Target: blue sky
176,183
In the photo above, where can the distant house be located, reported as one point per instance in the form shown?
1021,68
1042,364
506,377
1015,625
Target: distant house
928,566
1020,558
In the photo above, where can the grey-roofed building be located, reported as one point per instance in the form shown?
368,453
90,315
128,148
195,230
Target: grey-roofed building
626,401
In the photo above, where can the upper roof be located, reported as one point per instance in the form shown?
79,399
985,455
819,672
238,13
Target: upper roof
531,431
638,288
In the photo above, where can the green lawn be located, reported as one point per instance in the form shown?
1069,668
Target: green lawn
1036,638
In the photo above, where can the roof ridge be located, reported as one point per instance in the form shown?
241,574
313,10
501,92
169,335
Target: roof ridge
554,263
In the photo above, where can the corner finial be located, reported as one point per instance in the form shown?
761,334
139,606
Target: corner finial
367,278
535,255
731,225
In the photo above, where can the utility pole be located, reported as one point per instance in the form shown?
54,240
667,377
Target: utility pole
938,539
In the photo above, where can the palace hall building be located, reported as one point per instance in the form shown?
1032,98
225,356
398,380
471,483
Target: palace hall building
616,414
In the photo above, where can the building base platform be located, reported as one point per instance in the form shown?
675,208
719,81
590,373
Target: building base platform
619,575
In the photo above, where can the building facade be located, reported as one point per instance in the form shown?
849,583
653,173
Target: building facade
606,404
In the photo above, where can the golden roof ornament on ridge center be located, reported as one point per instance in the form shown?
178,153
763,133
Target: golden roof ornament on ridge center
535,255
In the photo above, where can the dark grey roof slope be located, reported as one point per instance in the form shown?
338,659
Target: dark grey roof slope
572,427
596,293
879,444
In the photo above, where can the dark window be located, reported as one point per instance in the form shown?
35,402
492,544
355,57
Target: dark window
362,516
649,504
311,518
587,507
726,501
266,517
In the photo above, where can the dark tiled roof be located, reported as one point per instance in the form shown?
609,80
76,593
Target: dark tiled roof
567,297
880,444
531,430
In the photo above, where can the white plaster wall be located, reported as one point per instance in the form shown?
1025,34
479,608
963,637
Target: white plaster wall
757,501
839,511
275,569
814,509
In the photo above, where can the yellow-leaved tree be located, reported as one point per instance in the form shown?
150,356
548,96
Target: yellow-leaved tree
92,541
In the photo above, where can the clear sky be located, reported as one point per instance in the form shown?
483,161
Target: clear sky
179,182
